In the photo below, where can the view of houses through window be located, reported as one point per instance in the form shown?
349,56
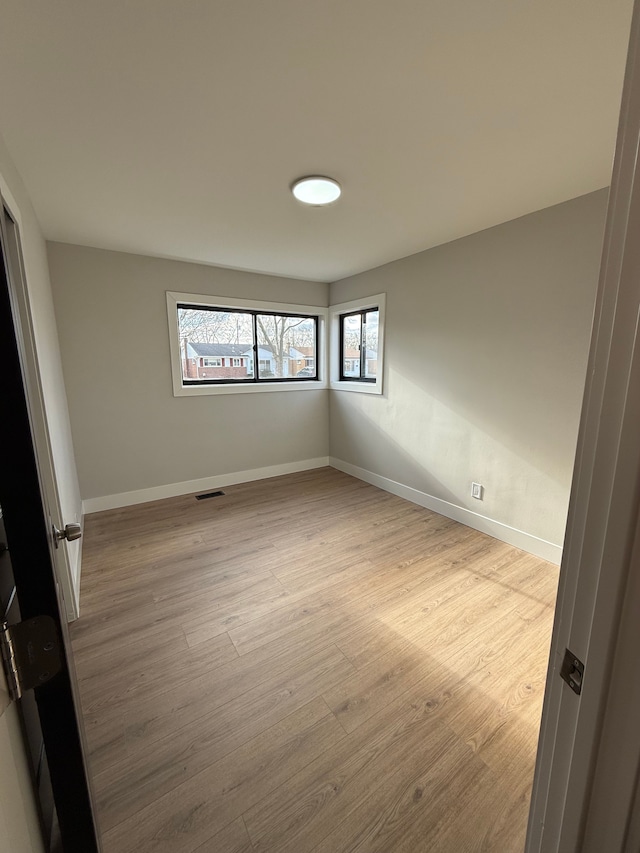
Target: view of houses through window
359,345
226,345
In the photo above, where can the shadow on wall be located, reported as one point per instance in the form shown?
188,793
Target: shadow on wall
487,341
526,401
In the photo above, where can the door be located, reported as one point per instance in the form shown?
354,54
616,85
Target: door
27,713
571,783
29,588
21,827
50,475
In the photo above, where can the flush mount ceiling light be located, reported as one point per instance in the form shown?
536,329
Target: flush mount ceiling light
316,190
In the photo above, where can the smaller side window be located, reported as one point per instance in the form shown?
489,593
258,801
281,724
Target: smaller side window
359,345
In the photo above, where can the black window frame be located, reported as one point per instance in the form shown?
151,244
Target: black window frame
255,379
360,312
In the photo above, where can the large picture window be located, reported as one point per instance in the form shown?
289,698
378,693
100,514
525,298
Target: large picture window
222,345
239,345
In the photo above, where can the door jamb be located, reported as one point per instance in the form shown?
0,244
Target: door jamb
33,383
30,540
603,509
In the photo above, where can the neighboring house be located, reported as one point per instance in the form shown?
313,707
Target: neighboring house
309,363
292,363
235,361
216,361
297,361
351,362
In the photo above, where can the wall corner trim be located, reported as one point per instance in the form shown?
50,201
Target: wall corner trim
172,490
511,535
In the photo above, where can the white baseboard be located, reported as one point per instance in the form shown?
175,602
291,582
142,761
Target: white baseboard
172,490
511,535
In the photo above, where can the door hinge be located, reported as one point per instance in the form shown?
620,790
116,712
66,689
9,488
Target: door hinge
30,653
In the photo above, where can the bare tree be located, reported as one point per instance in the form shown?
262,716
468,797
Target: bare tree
214,327
276,333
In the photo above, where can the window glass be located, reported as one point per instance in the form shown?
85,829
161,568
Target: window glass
351,342
359,345
284,341
220,345
215,344
370,343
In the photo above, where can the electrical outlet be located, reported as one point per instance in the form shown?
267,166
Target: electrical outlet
477,491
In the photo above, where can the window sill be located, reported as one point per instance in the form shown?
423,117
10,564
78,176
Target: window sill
357,387
248,388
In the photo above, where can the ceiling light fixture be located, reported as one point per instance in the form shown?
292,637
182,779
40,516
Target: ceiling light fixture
316,190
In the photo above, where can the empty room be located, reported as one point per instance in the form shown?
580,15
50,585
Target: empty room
300,304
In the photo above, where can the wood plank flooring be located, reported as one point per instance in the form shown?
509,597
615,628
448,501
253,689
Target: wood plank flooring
309,665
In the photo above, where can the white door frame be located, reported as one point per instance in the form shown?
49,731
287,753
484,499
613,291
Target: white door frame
603,513
614,795
33,383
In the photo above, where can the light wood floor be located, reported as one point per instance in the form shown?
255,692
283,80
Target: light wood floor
309,664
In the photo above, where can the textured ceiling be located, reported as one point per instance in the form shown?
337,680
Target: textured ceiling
175,127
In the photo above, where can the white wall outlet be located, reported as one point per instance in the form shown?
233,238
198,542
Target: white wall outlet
477,491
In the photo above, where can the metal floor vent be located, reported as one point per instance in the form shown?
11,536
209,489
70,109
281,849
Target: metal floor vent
209,495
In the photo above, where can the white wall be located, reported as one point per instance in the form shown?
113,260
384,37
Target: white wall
487,343
131,435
